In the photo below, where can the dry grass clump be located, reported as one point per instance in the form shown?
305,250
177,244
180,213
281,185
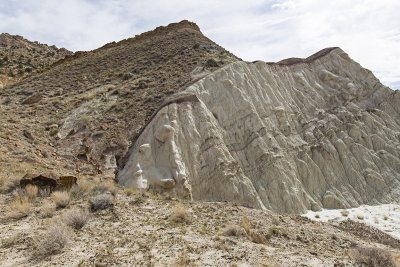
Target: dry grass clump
61,199
9,185
76,218
11,241
385,217
253,235
101,202
139,196
182,260
81,189
246,224
372,257
52,241
232,230
19,208
256,237
103,188
48,210
179,214
344,213
31,191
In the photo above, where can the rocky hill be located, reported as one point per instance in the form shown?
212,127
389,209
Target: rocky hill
96,102
20,57
299,134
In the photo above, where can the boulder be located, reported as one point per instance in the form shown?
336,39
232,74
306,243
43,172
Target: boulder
48,180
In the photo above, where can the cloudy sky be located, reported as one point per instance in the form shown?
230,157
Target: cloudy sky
270,30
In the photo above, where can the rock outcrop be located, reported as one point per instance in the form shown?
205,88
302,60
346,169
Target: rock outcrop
299,134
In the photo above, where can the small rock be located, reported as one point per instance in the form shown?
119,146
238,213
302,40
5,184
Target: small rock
28,135
32,99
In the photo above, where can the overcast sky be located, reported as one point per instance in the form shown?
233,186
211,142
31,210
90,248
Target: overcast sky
269,30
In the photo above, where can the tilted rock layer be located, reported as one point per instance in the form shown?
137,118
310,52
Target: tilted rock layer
299,134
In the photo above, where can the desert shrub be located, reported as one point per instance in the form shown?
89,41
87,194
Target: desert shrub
18,208
256,237
142,84
103,188
372,257
179,214
211,63
31,191
246,224
11,184
101,202
81,189
48,210
53,132
182,260
273,231
76,218
61,199
127,76
11,241
45,191
139,196
52,241
232,230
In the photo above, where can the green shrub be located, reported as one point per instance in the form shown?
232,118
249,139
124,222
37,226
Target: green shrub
53,132
127,76
211,63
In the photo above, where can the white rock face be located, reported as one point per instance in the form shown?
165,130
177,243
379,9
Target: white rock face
322,133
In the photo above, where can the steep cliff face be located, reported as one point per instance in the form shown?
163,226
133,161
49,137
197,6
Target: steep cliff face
289,136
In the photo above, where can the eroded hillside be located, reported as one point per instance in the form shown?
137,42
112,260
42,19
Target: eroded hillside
85,110
299,134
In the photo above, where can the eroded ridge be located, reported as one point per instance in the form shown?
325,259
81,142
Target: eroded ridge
283,137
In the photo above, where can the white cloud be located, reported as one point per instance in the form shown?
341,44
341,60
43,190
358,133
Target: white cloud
271,30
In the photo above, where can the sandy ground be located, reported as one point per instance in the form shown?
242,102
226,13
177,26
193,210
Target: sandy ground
139,232
384,217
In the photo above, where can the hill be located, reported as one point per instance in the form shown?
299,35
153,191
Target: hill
97,101
291,136
20,57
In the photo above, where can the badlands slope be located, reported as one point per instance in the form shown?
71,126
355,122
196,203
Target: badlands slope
299,134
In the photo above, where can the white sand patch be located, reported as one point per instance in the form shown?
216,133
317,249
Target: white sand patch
384,217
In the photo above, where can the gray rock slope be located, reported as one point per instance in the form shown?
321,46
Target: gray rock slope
299,134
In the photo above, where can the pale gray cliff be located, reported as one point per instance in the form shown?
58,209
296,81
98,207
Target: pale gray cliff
321,132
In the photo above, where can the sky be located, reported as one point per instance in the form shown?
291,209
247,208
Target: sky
269,30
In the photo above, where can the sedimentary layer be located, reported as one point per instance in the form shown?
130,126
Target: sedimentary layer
321,132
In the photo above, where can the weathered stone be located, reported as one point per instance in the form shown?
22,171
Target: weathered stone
289,136
48,180
28,135
32,99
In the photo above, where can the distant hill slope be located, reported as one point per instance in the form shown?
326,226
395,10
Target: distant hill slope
20,57
99,100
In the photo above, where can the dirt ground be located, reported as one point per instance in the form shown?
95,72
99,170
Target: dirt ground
142,230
